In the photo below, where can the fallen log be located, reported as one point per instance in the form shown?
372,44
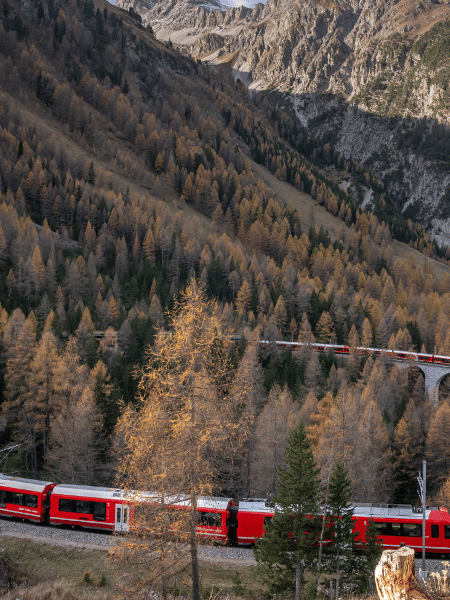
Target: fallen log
395,577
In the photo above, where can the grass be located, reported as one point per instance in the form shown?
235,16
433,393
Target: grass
53,572
35,571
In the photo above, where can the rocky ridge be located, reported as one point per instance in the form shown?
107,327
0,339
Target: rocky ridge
370,77
412,175
316,46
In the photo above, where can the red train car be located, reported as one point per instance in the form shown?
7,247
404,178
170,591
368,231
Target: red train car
343,349
252,516
216,517
24,498
87,506
397,523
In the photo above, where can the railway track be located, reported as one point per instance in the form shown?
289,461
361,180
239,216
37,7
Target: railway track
96,540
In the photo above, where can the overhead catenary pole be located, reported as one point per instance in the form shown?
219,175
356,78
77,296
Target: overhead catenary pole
423,573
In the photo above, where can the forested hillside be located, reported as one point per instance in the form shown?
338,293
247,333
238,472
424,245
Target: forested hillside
125,171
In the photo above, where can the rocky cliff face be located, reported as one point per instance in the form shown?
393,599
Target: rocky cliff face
315,46
409,155
371,77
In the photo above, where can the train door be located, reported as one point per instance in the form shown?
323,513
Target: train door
122,514
232,523
45,508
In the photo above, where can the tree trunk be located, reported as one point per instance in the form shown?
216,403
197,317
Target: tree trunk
322,533
395,577
337,576
194,550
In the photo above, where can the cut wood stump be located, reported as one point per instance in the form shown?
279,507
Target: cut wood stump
395,577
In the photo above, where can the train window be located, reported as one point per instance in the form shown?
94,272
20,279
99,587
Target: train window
66,505
435,531
267,520
3,498
83,506
396,529
31,500
384,528
17,498
447,532
99,511
208,519
412,529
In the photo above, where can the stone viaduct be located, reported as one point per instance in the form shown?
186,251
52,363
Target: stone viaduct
433,372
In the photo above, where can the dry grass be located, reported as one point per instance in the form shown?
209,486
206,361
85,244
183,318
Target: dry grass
61,589
38,571
439,583
34,571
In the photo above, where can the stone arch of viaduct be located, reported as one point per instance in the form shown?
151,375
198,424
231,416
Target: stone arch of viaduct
433,374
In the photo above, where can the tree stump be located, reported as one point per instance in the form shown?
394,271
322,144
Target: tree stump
395,577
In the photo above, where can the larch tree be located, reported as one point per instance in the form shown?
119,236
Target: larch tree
319,418
403,465
305,335
248,391
437,449
313,371
17,413
324,328
370,460
273,425
290,543
12,329
280,313
76,441
40,380
243,297
337,438
187,420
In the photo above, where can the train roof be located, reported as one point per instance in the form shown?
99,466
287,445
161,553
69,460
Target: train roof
392,511
23,484
259,505
176,500
213,503
87,491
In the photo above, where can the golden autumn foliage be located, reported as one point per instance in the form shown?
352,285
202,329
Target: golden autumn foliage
182,434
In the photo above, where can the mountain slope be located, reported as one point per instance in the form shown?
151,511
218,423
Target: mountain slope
389,58
314,46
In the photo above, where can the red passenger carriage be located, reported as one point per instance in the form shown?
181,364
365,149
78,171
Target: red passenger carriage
24,498
216,517
252,516
219,519
397,523
87,506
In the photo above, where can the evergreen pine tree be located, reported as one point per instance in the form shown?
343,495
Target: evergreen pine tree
290,542
371,551
340,553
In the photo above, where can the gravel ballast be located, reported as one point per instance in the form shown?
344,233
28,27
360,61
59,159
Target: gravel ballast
87,539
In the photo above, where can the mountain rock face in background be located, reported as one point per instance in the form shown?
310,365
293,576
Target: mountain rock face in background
370,78
313,46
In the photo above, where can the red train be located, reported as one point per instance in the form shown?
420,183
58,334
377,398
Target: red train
394,354
99,507
221,520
